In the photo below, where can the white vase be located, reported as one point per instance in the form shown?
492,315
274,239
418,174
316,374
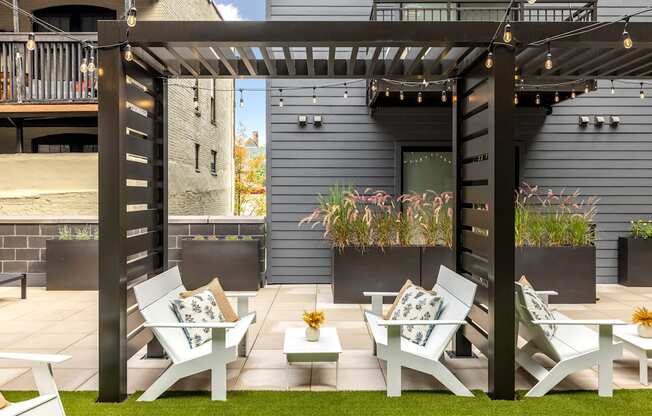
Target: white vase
312,334
644,331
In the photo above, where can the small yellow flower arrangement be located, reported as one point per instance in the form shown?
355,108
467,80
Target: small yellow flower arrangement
643,318
315,320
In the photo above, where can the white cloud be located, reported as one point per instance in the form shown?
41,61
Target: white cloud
229,11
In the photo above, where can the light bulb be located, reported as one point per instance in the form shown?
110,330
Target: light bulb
314,95
419,97
489,62
346,91
444,97
642,92
31,42
280,100
401,95
129,55
425,82
131,17
531,1
613,89
538,99
91,64
586,88
548,63
83,67
515,99
628,43
573,94
386,92
556,96
507,33
374,86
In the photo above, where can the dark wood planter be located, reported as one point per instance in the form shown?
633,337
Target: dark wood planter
634,262
568,270
235,262
384,270
72,264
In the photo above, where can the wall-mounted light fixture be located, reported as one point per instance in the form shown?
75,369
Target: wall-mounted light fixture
317,121
303,120
598,121
583,121
614,121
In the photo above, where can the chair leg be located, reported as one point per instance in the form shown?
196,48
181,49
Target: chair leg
448,379
162,384
608,352
393,360
554,377
218,360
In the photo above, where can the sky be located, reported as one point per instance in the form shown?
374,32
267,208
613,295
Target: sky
252,116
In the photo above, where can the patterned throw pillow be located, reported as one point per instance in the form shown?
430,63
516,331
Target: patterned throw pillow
417,303
538,310
220,297
201,307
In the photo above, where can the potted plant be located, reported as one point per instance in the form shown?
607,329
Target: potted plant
235,260
72,259
314,320
643,319
634,261
554,236
379,241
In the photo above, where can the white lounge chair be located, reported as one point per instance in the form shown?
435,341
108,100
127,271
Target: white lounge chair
573,347
48,402
457,295
153,297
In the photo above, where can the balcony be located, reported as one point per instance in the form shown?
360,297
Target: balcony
520,11
48,74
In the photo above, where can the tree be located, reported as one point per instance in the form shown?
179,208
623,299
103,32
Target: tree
249,172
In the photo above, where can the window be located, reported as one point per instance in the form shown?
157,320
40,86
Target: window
65,143
196,157
213,103
213,162
77,18
426,169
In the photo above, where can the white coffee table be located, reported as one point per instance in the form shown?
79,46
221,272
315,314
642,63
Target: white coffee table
640,346
299,350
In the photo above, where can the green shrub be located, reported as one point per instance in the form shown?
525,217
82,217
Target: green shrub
641,229
83,233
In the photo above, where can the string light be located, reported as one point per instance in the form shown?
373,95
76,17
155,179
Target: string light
386,92
242,102
489,62
131,14
419,97
425,82
314,95
613,89
507,33
91,63
31,42
628,43
573,94
401,95
374,86
83,67
444,97
531,1
586,88
556,96
538,99
515,98
346,91
280,100
129,55
548,63
642,92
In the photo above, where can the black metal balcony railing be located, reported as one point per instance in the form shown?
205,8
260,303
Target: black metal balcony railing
520,11
49,73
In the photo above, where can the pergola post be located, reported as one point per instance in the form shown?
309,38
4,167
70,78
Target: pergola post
484,211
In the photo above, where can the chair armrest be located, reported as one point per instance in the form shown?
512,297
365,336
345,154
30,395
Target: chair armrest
216,325
241,294
420,322
35,358
383,294
377,300
610,322
547,292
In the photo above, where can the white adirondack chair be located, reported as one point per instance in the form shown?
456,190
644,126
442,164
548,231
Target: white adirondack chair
573,347
457,295
48,402
153,297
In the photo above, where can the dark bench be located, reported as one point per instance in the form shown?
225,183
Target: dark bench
12,277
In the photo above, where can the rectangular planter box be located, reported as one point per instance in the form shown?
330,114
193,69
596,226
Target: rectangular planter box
235,262
384,270
72,264
634,262
568,270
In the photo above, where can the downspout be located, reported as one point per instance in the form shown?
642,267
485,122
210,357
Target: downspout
16,18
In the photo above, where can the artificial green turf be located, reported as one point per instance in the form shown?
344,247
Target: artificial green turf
245,403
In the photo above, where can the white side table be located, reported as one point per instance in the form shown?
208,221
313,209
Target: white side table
299,350
640,346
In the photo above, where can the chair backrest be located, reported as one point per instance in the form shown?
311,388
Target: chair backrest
154,298
529,331
457,295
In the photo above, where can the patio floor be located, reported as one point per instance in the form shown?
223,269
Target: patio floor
66,322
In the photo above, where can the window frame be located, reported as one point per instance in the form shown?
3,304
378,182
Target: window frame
213,162
414,146
197,149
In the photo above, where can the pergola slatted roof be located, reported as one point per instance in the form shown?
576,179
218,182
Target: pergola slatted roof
398,50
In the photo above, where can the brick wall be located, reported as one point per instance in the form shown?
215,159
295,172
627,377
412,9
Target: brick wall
22,241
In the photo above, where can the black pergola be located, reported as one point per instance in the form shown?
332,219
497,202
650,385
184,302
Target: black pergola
133,140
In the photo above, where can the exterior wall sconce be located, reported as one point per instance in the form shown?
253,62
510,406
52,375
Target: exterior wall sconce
614,121
599,121
317,121
303,120
583,121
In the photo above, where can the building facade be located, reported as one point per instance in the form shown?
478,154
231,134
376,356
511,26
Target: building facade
50,124
365,147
